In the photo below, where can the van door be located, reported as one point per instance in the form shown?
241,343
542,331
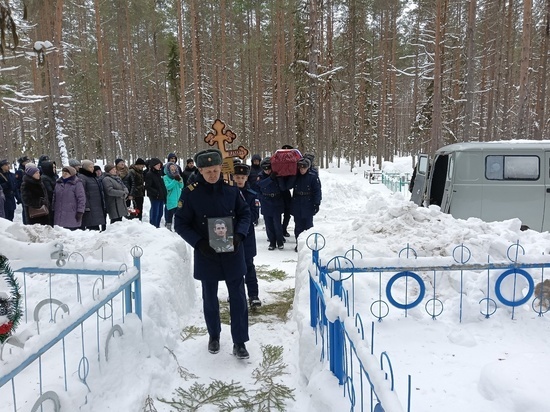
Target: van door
449,188
546,174
420,179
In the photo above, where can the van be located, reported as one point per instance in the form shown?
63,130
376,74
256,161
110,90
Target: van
493,181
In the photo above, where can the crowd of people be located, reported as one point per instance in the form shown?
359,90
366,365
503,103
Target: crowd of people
217,217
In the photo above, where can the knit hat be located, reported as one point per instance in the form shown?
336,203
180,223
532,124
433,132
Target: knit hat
70,169
140,161
117,161
189,161
209,157
287,146
108,168
4,162
74,163
86,164
242,169
96,168
30,171
29,165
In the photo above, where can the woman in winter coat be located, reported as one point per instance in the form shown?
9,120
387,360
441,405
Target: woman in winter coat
69,200
115,192
34,194
156,191
174,184
49,178
94,214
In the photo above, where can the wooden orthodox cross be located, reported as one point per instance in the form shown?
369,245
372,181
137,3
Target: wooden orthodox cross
220,139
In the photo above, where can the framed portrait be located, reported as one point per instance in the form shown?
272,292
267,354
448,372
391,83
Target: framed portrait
220,234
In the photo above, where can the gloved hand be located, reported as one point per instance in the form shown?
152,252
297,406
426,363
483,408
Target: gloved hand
237,239
79,216
177,177
205,248
315,209
273,175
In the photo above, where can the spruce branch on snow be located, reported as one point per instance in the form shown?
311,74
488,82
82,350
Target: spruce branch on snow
218,393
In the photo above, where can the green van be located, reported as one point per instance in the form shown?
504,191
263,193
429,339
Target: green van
493,181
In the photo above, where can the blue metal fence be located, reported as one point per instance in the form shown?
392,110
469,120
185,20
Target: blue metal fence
343,340
111,288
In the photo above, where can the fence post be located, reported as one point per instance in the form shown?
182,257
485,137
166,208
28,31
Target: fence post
312,303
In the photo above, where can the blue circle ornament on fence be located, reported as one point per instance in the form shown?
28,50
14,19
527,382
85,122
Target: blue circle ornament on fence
504,275
421,293
10,302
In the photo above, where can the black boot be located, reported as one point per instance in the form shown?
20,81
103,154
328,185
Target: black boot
239,350
213,344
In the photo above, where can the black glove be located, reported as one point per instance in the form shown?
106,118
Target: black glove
237,239
273,175
177,177
205,248
79,216
315,209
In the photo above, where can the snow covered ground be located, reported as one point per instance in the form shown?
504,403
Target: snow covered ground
490,365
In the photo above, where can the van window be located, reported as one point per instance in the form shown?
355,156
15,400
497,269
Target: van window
423,165
512,167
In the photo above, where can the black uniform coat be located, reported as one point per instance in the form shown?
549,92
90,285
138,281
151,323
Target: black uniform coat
306,194
200,201
270,196
249,242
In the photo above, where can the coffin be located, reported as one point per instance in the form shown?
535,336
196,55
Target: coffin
283,162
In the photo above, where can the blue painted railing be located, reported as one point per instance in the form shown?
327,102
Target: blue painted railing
123,288
417,277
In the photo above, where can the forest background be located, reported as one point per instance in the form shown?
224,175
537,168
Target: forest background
352,79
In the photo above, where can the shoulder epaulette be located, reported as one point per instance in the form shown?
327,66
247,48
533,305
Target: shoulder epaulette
192,186
252,191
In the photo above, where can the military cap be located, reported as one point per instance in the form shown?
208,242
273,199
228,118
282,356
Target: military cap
266,163
242,169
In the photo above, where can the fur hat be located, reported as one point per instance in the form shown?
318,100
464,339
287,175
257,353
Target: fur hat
117,161
86,164
23,159
242,169
304,161
287,146
208,157
108,168
140,161
74,163
30,171
71,170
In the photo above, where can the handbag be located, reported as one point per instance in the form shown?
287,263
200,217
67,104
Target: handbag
38,212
